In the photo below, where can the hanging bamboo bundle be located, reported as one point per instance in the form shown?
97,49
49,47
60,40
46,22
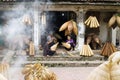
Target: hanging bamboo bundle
108,70
86,51
69,27
31,49
118,20
92,22
38,72
94,40
114,21
108,49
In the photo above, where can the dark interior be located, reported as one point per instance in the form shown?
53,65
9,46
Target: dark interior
54,20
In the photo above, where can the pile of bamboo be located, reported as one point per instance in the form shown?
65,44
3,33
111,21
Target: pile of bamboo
92,22
114,19
69,27
108,49
38,72
86,51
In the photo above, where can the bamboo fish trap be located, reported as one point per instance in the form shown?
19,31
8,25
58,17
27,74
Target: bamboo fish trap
69,27
108,49
92,22
86,51
108,70
38,72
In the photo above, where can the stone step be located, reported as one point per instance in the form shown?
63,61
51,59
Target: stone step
66,58
65,63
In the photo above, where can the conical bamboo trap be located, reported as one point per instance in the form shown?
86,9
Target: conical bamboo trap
109,70
38,72
113,20
108,49
86,51
69,27
92,22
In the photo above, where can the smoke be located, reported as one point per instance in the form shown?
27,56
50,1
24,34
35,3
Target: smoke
17,32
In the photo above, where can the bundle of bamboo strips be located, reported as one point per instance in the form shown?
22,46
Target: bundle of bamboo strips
108,70
86,51
27,20
31,49
66,45
69,27
108,49
113,20
54,47
4,70
38,72
92,22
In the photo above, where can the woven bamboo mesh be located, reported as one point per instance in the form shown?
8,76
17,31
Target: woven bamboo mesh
109,70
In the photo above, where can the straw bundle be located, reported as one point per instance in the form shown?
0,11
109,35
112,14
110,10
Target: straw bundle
86,51
109,70
66,45
38,72
69,27
108,49
31,49
92,22
54,47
